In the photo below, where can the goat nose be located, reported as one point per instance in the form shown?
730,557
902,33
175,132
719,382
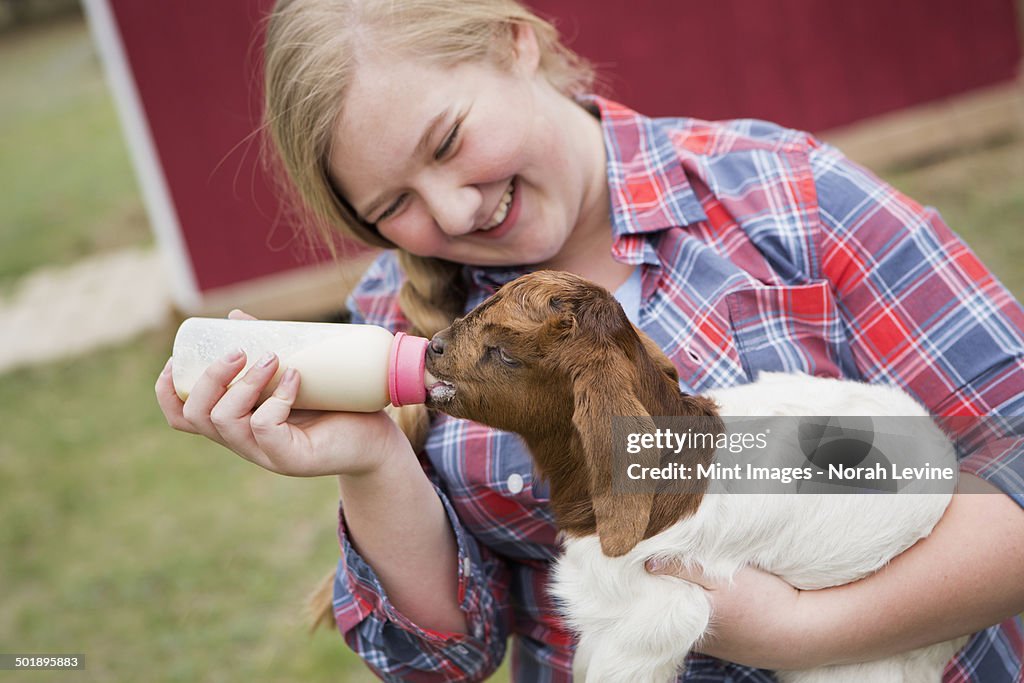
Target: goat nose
437,345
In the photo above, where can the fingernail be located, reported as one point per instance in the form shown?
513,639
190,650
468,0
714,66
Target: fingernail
167,366
655,564
232,356
284,387
267,359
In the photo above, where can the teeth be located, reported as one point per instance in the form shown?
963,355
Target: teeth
502,211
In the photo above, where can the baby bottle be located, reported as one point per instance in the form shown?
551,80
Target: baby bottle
358,368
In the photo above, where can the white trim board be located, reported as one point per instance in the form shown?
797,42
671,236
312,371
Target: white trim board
153,182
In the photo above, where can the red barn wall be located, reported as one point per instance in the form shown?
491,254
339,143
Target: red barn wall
808,64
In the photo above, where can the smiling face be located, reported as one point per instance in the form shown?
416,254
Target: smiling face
479,162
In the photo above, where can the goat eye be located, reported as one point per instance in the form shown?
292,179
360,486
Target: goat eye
503,356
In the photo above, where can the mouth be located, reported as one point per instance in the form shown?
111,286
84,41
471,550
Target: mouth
438,390
505,214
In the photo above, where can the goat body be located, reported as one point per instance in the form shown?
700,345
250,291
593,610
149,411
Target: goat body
635,626
553,358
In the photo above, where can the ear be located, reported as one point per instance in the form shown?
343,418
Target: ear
527,51
657,356
558,327
603,389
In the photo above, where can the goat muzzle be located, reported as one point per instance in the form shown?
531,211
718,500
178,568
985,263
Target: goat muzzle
438,390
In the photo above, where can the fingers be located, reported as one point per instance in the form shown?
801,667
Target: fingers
239,314
193,414
232,413
273,433
219,411
663,565
673,566
167,398
208,390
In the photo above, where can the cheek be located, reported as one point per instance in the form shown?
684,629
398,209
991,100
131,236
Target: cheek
414,231
501,138
551,140
493,156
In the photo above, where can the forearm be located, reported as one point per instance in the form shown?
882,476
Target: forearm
398,524
967,575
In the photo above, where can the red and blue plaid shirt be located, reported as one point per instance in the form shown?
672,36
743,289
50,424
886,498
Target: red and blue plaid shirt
760,248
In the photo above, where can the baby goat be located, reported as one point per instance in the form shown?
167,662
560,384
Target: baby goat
553,358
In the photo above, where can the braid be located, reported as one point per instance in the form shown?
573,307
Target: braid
433,293
432,296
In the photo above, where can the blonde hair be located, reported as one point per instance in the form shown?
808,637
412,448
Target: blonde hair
311,53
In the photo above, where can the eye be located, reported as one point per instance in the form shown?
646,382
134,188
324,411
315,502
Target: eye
392,209
503,356
448,142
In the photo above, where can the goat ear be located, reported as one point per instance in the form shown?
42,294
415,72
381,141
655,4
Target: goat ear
603,390
558,326
657,356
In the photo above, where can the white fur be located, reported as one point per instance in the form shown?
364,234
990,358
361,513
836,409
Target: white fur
637,627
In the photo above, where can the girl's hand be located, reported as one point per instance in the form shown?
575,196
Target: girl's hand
300,443
756,620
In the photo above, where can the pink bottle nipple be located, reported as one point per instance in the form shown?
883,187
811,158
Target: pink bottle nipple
406,364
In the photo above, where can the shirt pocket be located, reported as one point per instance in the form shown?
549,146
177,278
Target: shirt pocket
793,328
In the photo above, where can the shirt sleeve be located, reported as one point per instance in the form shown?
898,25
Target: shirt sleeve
924,314
392,645
398,649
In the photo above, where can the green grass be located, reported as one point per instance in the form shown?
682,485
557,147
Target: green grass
158,555
67,188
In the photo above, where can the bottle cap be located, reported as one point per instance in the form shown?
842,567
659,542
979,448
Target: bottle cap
406,364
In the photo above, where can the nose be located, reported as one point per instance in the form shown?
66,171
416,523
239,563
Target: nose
437,345
453,207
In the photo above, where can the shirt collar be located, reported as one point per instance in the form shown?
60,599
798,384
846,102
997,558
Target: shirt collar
648,188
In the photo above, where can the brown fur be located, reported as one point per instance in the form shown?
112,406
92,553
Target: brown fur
553,358
580,363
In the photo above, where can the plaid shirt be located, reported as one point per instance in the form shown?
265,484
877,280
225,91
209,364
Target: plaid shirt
760,248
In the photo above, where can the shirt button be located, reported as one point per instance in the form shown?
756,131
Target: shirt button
515,483
467,566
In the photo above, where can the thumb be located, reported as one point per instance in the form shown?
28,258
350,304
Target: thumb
238,314
673,566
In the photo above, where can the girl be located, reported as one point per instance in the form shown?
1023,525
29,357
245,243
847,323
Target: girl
461,138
